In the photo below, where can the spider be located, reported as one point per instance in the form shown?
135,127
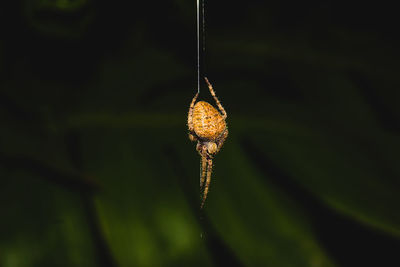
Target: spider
207,126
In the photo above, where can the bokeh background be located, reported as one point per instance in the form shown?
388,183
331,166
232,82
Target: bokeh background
96,168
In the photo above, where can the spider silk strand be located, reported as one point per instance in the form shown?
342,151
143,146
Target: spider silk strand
198,46
200,41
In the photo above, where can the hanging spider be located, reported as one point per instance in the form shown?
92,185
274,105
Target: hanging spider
207,126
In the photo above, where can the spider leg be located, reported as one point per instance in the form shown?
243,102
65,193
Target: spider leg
221,108
203,163
190,116
221,139
203,172
205,192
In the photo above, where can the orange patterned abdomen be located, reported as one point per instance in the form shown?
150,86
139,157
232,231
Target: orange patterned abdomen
207,121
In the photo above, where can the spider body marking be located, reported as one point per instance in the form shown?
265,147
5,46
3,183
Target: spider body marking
207,121
208,127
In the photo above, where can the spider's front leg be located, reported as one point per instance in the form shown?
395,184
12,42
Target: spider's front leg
203,172
207,182
203,158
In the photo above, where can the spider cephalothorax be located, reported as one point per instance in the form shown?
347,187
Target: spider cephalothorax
207,126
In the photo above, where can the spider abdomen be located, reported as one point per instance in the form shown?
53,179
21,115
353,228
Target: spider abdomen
208,123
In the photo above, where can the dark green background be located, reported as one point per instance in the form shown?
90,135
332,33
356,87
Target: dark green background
96,168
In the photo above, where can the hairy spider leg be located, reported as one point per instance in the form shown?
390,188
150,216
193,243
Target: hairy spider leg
190,117
222,139
221,108
203,171
205,192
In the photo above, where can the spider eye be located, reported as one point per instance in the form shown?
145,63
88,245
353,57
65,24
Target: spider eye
212,148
